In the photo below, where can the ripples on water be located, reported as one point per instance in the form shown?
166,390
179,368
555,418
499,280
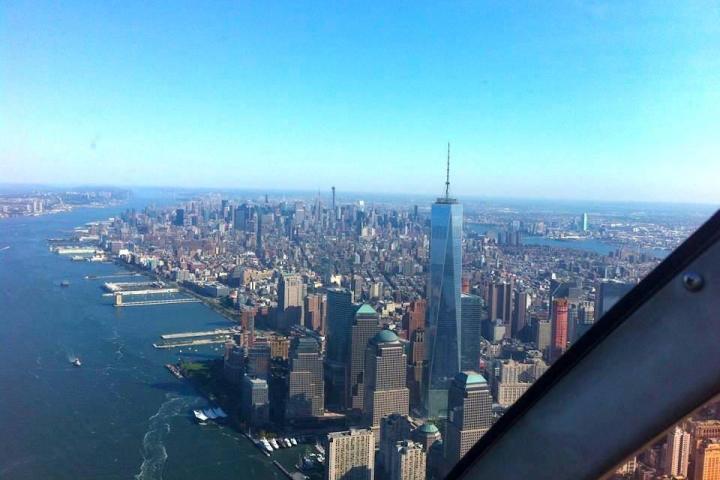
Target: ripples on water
153,447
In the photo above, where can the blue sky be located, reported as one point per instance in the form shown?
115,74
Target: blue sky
576,100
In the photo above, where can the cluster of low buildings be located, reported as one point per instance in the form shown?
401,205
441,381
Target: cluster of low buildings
690,450
35,203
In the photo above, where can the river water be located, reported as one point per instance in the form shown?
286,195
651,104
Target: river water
589,245
119,416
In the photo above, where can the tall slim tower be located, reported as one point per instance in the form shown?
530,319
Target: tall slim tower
443,329
334,212
559,328
677,452
340,313
471,318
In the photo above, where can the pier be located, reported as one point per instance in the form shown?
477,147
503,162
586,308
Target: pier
152,291
175,336
190,343
116,275
124,287
142,303
187,339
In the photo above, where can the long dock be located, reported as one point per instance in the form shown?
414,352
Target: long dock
144,303
152,291
191,343
224,331
118,287
116,275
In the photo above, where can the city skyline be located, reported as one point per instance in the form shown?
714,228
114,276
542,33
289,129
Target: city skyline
200,98
230,243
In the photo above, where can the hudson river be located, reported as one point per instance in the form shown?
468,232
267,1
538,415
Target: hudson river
119,416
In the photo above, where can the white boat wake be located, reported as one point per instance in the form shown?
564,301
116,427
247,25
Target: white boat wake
153,448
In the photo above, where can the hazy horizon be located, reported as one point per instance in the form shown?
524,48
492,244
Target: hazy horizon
423,200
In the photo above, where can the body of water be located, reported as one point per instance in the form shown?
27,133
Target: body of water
119,416
590,245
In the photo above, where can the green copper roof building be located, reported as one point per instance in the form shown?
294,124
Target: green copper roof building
365,324
366,309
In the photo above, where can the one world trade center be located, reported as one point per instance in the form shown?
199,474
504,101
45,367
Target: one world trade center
443,352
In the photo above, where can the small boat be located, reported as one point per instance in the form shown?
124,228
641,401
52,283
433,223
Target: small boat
76,362
200,416
293,441
274,444
287,442
266,445
65,283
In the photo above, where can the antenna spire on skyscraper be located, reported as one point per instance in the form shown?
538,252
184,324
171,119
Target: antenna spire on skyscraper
447,177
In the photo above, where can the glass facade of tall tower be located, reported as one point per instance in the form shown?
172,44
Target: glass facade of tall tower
444,302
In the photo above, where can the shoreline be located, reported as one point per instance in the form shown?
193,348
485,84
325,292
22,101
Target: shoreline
219,309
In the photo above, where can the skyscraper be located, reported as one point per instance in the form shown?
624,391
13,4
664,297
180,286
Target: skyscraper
559,324
234,363
414,317
443,329
340,311
365,325
350,455
290,291
470,415
339,321
542,336
519,315
408,461
471,317
180,217
258,360
255,401
306,395
414,325
608,294
290,298
416,367
677,452
426,434
707,461
386,391
500,300
315,312
393,428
